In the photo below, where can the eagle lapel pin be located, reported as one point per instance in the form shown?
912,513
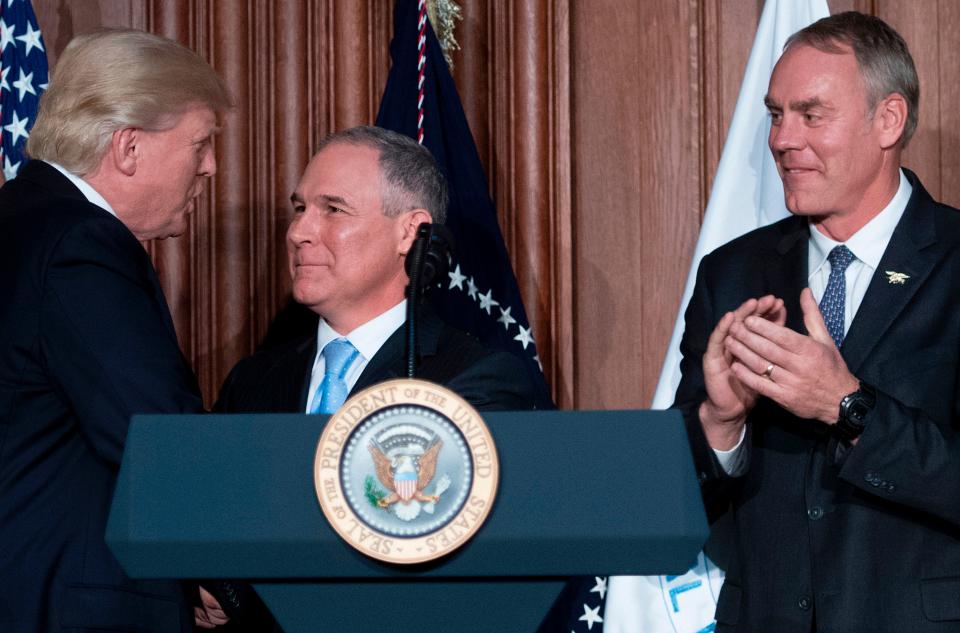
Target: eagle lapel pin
895,278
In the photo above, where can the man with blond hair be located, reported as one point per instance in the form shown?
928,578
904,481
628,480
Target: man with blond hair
121,149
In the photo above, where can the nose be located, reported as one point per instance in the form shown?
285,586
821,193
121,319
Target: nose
787,134
304,228
208,166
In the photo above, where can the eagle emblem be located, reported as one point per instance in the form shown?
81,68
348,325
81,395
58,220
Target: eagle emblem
895,278
406,472
412,464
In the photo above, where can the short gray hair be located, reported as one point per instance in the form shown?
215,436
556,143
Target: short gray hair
409,175
884,59
116,78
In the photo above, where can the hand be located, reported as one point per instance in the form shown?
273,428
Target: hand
210,615
729,400
809,377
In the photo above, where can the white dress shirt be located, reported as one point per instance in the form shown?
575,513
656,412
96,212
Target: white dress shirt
867,245
91,194
368,339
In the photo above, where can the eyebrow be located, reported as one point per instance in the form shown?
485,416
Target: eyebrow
796,106
209,136
296,197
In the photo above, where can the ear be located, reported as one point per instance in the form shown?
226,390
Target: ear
124,150
891,118
408,224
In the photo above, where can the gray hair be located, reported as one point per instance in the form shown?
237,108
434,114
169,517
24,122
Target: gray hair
113,79
884,59
409,175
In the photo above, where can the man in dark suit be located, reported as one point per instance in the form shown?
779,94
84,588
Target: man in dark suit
831,432
122,147
357,210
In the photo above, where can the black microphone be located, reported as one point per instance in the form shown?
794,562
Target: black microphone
429,256
428,260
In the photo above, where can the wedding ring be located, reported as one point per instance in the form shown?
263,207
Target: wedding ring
768,370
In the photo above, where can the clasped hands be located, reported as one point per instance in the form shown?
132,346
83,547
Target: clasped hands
751,353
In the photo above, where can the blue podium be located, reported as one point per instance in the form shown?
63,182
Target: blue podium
581,493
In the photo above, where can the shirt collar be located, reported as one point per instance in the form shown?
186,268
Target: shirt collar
869,243
369,337
91,194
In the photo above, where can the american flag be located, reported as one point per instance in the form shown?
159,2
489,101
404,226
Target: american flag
481,295
579,608
23,78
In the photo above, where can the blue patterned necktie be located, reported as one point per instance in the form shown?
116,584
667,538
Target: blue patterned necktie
338,354
833,303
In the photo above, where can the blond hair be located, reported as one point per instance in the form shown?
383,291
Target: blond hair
113,79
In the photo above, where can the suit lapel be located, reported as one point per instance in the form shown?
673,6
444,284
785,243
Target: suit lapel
160,297
385,364
296,391
390,361
785,269
908,252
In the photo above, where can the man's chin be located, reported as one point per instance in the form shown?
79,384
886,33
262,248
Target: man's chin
176,229
798,205
307,297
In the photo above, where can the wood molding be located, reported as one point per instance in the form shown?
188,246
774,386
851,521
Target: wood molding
528,159
561,296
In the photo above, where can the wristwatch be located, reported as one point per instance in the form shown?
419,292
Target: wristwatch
854,409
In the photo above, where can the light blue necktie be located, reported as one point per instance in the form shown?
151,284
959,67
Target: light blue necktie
338,354
832,305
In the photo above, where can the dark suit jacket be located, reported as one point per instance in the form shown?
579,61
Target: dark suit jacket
277,380
866,539
86,340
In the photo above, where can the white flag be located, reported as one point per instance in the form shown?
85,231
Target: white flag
747,194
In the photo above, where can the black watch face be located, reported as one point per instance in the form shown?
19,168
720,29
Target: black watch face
858,410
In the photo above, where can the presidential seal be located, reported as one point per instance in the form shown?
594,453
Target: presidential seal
406,471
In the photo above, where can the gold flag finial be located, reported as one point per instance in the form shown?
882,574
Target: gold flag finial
443,15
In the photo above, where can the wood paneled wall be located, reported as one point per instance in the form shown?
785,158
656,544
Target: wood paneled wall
600,124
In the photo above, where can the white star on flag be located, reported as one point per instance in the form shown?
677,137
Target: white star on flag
487,301
17,128
600,587
6,35
524,336
10,171
4,85
536,357
505,318
456,279
591,616
24,84
472,289
31,38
